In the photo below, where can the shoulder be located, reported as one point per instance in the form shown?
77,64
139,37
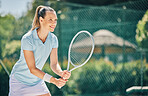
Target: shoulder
54,41
27,41
28,35
53,35
27,38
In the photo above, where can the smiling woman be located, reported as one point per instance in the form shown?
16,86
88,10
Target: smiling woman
46,20
27,77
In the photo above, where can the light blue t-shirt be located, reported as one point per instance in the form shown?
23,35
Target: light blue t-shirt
30,41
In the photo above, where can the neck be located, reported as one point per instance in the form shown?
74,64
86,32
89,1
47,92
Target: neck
42,34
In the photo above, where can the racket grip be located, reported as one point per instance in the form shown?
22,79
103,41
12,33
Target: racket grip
59,87
63,78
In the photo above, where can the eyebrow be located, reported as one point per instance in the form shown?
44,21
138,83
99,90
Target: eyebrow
51,18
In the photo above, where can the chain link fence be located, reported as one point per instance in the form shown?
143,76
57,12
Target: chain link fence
107,73
117,63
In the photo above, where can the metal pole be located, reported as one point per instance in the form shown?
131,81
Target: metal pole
141,69
4,67
60,34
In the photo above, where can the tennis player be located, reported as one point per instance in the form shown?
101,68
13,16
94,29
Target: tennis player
26,78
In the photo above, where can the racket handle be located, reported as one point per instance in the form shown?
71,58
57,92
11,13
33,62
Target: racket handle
59,87
63,78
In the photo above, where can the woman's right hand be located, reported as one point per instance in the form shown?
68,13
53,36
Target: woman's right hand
58,82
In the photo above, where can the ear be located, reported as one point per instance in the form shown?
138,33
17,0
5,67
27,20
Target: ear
40,19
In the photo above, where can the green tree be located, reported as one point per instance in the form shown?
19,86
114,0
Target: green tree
23,24
6,30
142,33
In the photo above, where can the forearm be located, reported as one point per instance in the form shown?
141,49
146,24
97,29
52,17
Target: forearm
37,72
30,60
56,69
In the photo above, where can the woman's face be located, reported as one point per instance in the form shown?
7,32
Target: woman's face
49,22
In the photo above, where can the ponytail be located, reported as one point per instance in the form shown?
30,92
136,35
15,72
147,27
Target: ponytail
43,10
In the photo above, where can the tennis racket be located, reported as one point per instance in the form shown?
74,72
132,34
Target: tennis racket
80,50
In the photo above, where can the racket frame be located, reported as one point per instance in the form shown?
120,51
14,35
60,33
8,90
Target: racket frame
69,61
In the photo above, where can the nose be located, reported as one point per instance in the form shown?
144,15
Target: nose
54,22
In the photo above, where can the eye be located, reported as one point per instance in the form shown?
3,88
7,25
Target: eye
49,19
52,20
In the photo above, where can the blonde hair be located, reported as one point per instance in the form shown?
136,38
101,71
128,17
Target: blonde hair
40,12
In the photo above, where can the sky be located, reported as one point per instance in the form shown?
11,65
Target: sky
15,7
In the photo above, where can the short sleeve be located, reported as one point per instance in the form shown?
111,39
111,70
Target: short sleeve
26,44
55,42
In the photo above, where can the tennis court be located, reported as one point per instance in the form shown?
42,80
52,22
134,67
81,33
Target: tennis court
118,66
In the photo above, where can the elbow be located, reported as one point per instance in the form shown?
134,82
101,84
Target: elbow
51,66
32,70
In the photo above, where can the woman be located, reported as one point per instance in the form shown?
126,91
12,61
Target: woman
26,78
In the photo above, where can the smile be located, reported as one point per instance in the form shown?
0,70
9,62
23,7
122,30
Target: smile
52,27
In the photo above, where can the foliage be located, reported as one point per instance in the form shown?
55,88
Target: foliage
6,26
6,30
142,31
4,85
96,77
100,77
4,78
21,27
12,49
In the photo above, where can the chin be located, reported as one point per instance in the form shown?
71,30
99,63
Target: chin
51,30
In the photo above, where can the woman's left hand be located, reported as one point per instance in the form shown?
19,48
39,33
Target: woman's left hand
66,74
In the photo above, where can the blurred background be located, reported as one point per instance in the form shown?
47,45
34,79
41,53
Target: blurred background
120,30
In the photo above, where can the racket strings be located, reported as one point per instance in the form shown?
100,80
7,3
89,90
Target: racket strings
76,62
81,49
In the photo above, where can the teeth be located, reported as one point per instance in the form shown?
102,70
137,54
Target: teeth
51,27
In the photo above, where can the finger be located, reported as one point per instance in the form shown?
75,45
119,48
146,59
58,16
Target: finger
68,74
63,73
61,84
65,79
62,80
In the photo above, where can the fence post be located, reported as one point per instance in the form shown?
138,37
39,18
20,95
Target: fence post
5,68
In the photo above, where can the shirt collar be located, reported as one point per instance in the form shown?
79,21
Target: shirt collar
35,35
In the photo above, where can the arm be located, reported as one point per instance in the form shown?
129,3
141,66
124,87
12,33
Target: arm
30,60
54,62
56,67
